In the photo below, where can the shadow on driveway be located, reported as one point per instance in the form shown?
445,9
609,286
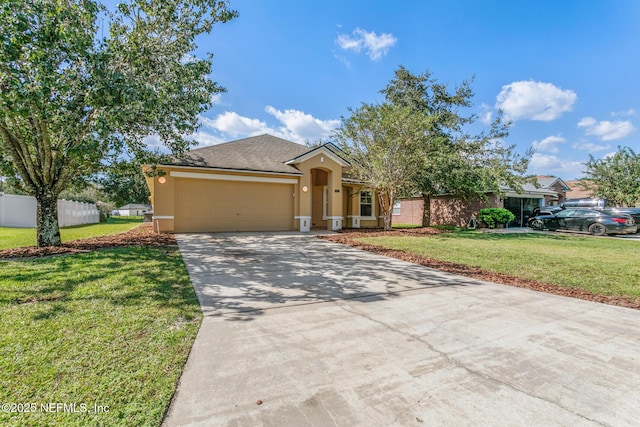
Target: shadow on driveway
241,275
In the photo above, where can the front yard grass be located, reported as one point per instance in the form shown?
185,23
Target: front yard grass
23,237
111,328
604,266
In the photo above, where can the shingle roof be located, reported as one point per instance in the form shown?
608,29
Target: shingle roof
264,153
577,192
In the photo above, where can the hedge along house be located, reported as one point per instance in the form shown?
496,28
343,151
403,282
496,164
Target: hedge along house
261,183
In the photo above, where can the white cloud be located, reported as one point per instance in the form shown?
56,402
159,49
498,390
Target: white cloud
216,99
486,115
606,130
303,126
375,45
549,164
534,100
205,139
629,112
590,147
549,144
236,125
153,141
295,125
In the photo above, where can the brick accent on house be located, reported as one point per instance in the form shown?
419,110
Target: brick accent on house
444,210
410,212
447,210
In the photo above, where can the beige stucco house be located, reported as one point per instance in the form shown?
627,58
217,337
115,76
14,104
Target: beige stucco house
262,183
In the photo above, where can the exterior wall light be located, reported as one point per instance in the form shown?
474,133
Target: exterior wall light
162,180
304,188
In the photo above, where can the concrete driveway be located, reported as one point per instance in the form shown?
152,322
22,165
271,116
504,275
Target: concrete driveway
299,331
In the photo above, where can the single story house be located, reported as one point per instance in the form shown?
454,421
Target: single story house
447,210
132,209
262,183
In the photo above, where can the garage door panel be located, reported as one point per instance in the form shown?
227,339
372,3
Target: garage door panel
211,206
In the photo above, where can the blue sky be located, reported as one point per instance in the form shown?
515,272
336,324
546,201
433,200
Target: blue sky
565,72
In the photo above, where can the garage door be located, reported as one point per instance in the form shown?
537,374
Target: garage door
214,206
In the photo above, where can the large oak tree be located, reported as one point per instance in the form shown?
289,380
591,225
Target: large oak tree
80,84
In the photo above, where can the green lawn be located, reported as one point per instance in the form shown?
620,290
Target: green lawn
21,237
111,328
605,266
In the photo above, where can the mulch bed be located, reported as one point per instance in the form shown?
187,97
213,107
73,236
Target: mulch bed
348,237
142,235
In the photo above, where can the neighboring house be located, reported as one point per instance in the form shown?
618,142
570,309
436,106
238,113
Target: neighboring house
577,192
447,210
133,209
261,183
550,191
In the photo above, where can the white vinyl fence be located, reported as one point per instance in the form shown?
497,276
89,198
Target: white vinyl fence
20,211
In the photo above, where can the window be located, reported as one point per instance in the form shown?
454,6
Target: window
396,208
366,203
566,213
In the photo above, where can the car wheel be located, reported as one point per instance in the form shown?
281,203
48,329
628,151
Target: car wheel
597,229
536,224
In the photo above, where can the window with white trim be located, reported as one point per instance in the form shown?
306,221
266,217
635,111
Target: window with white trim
366,203
396,208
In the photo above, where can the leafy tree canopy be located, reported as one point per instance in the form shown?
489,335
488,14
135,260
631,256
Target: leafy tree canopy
123,183
615,178
80,84
383,143
456,161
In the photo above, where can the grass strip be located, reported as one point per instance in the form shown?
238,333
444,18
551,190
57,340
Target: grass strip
23,237
605,266
110,329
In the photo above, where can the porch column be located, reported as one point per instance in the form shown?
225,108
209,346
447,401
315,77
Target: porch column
334,217
304,201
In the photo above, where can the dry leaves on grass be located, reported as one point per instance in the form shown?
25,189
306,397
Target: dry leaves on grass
142,235
348,237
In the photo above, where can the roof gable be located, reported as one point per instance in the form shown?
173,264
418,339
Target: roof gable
328,149
550,181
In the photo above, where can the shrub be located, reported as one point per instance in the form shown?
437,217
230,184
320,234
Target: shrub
494,216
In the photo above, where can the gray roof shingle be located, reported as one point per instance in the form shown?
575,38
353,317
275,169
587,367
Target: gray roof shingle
263,153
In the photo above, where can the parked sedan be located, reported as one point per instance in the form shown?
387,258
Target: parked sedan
591,221
633,212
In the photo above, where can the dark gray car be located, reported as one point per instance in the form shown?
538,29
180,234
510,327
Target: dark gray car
634,212
592,221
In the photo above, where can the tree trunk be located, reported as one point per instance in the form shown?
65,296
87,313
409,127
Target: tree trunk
387,220
426,211
387,210
47,219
